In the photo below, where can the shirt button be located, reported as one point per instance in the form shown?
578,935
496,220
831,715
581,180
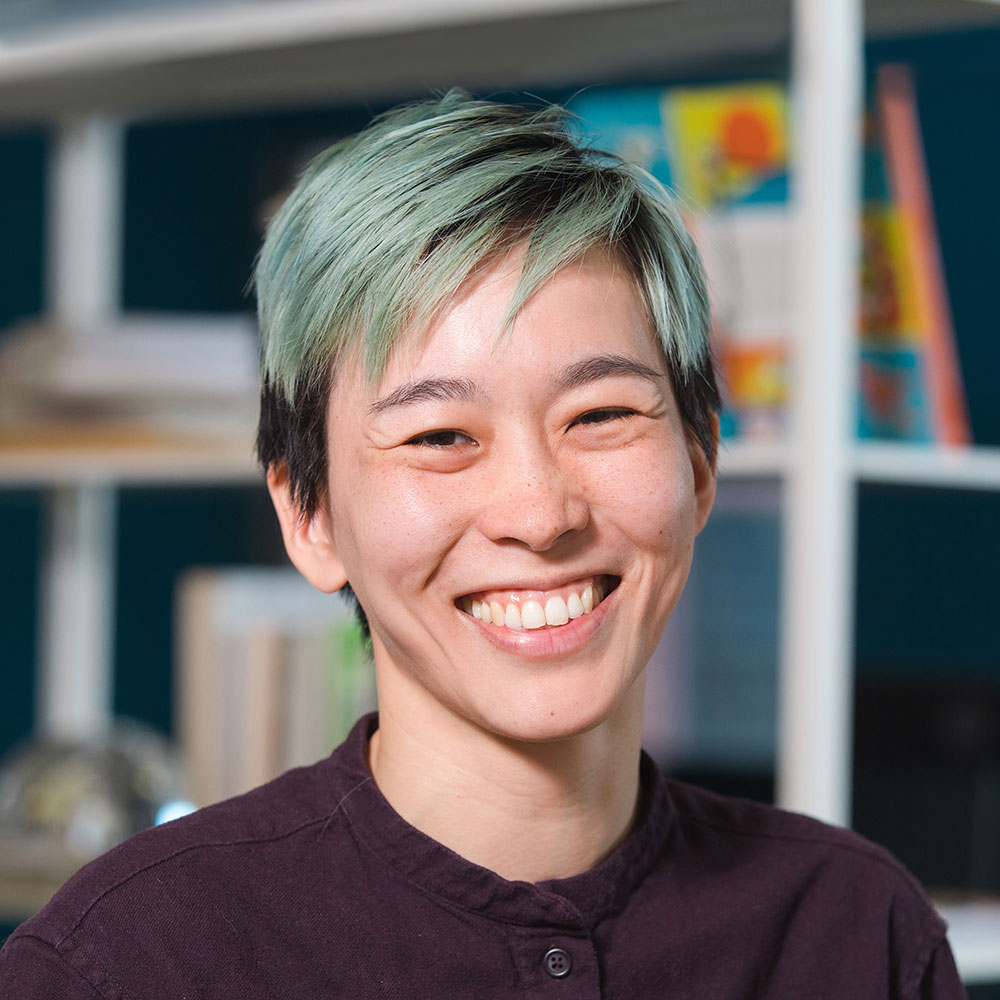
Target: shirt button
558,963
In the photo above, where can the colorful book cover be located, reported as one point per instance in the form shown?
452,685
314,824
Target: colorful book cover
724,150
728,144
627,122
893,402
892,399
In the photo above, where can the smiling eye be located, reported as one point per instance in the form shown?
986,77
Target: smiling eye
604,415
440,439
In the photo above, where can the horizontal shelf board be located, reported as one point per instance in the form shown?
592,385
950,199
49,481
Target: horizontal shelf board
145,37
126,463
974,934
307,51
975,468
152,460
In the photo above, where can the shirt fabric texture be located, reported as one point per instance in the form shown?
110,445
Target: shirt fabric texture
313,886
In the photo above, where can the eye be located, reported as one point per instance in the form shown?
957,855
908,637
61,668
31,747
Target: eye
440,439
604,415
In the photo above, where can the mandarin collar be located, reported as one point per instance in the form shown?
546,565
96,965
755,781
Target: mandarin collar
578,902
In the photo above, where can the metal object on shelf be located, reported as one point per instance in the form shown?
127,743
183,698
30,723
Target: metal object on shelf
65,801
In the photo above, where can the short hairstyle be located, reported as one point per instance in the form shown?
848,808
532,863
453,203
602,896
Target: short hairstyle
383,229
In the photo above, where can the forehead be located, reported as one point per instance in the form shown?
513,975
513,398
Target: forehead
593,304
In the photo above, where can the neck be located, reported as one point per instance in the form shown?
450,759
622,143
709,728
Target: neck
527,811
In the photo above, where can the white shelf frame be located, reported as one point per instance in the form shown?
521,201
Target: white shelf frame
76,622
152,36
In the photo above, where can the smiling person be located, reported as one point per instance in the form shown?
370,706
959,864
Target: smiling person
489,409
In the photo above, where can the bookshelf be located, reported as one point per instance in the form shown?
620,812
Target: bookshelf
86,82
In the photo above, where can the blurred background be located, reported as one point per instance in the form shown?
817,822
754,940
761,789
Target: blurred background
836,650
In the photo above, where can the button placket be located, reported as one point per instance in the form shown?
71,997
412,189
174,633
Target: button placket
556,962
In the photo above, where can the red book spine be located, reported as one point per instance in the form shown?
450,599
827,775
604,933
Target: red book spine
908,178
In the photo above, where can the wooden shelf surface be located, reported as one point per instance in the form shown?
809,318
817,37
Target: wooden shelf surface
64,456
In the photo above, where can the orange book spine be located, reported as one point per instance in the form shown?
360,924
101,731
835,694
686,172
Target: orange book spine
908,178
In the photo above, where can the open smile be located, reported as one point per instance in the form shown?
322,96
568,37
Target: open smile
521,610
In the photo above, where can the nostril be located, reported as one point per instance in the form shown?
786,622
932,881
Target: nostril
534,503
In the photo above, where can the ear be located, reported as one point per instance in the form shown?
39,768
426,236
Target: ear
704,476
308,537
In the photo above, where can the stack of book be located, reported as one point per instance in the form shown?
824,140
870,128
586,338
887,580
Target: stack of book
137,380
272,674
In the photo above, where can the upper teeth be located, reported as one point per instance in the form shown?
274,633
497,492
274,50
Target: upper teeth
532,614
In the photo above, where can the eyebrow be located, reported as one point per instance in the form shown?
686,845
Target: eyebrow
605,366
584,372
461,389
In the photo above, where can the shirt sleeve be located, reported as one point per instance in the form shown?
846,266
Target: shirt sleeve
31,969
941,980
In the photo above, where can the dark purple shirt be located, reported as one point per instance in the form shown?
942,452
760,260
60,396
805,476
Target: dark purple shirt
313,887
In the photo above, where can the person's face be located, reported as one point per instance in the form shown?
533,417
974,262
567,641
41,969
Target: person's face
512,478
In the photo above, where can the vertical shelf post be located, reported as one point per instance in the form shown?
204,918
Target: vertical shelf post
77,585
819,524
84,227
77,621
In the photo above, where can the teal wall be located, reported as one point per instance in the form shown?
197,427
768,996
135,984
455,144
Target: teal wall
20,537
22,214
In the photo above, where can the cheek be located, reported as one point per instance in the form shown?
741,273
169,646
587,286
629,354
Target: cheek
650,491
400,521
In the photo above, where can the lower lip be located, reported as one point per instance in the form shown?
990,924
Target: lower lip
544,643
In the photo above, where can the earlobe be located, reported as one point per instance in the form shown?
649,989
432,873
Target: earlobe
308,538
704,476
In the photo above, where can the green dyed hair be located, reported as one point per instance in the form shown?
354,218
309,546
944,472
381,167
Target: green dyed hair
384,228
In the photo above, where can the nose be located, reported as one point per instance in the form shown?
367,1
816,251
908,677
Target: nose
533,501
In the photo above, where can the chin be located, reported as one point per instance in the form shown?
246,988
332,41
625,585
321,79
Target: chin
550,722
